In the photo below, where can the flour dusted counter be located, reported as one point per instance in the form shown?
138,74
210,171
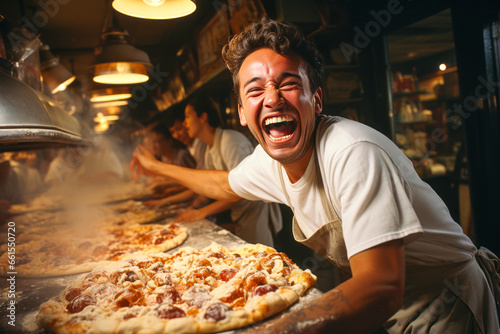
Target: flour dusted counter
30,293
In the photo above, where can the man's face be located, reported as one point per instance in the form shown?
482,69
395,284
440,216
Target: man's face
191,121
277,104
180,133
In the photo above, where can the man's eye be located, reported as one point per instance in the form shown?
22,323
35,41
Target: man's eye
289,86
254,91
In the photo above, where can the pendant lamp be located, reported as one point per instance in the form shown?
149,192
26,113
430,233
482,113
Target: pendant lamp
55,76
155,9
117,103
118,62
105,93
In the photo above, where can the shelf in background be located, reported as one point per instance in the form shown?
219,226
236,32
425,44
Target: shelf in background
409,94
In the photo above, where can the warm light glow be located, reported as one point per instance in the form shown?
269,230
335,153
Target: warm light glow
442,66
100,93
155,9
154,3
112,110
101,118
101,127
103,121
110,97
120,73
117,103
55,76
64,85
121,78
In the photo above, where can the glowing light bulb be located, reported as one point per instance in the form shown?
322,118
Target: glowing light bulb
442,66
154,3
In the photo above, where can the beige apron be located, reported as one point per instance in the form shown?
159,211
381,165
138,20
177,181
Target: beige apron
454,298
328,241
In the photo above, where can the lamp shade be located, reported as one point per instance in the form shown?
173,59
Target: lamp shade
117,62
30,120
117,103
55,76
155,9
106,93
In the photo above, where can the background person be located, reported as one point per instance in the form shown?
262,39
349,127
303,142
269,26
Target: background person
174,121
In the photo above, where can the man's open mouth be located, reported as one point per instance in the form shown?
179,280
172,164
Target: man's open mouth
280,128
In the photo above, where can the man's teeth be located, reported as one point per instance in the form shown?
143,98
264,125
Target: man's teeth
280,138
279,119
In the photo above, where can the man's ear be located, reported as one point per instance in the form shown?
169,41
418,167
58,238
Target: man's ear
241,113
204,117
318,100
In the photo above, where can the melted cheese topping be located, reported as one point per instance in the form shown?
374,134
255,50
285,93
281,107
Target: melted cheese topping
213,285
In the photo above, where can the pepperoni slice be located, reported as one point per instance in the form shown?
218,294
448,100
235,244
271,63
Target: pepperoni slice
226,274
216,312
72,294
264,289
129,297
79,303
170,296
171,312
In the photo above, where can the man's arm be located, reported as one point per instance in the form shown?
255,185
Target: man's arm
209,183
361,304
185,196
208,210
159,184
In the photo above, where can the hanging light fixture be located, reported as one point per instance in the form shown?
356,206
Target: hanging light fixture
106,93
56,76
155,9
117,103
118,62
100,117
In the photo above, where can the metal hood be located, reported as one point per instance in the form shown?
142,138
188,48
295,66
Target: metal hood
30,120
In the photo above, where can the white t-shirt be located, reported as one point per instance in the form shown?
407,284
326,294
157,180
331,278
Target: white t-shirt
373,188
229,149
197,150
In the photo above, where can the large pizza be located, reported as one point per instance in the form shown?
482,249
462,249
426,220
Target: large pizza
62,249
190,291
78,238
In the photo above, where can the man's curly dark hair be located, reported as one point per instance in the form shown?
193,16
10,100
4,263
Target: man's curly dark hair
281,37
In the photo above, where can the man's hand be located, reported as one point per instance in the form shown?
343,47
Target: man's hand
156,203
189,216
209,183
142,163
